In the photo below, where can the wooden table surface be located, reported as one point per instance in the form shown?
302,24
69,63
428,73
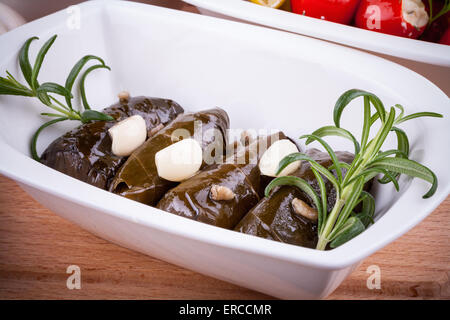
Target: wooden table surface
36,247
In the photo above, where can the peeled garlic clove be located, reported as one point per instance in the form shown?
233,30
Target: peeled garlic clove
127,135
271,158
180,160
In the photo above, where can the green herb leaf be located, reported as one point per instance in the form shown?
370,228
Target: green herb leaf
410,168
9,87
352,227
44,97
36,134
403,150
335,131
402,112
299,183
298,156
75,71
344,165
350,203
352,94
322,214
39,59
55,88
385,129
402,141
384,154
90,115
366,124
371,173
342,223
24,61
82,80
330,151
53,115
368,209
419,115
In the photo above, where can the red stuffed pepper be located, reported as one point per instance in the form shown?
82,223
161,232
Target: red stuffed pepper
403,18
340,11
446,38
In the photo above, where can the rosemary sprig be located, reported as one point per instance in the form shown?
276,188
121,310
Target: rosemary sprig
343,223
444,10
10,86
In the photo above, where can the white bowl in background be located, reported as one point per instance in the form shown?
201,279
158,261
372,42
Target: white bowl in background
264,79
431,60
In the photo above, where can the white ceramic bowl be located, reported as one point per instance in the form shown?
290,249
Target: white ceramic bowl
263,78
432,53
432,60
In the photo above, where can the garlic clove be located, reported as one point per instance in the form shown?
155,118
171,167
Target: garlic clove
180,160
127,135
271,158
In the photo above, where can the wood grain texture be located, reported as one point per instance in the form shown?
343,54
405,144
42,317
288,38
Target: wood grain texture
36,247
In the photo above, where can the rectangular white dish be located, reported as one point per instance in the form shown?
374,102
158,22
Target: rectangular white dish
422,51
264,79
